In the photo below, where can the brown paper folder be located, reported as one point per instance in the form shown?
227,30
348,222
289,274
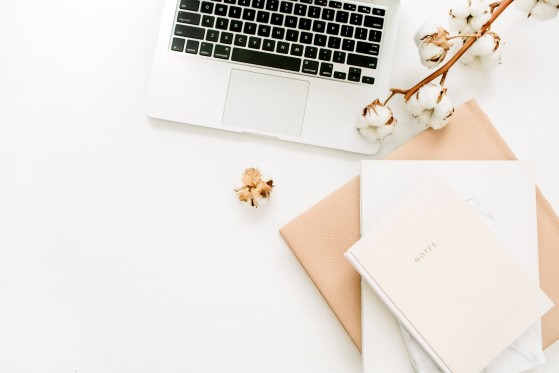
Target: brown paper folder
321,235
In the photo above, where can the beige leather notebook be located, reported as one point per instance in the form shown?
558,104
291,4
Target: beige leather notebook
320,236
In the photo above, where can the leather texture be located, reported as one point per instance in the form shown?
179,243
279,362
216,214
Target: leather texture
321,235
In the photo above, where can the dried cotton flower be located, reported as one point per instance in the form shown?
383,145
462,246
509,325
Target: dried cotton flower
433,44
468,16
254,190
484,54
431,106
542,10
377,121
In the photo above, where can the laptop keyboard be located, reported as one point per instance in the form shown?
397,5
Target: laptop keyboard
326,38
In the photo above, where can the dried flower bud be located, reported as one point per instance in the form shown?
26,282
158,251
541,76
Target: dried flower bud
254,190
484,54
468,16
377,121
431,106
433,44
542,10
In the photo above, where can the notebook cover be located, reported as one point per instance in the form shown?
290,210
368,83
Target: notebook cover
320,235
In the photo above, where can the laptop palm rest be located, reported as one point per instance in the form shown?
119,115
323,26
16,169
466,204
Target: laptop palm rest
265,103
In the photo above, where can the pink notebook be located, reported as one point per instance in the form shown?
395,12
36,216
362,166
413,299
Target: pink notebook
320,236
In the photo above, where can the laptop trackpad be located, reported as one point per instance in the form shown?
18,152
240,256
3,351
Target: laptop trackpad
265,103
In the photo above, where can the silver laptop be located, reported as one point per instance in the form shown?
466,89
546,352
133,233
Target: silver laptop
296,70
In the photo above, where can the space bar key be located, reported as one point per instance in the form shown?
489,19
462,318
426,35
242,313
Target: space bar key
266,59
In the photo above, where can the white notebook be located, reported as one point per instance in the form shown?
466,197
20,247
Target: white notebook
507,186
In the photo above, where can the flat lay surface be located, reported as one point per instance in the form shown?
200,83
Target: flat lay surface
122,245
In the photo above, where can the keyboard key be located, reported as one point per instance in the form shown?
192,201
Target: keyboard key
306,1
314,12
258,4
290,21
189,18
240,40
311,52
208,21
332,28
361,33
300,10
367,48
262,16
305,38
244,2
347,31
277,19
339,57
297,49
362,61
321,2
305,23
207,7
348,45
190,5
222,23
335,4
356,19
235,12
266,59
292,35
206,49
249,14
222,51
286,7
264,30
278,33
254,42
318,26
212,35
269,45
354,74
320,40
249,28
328,14
368,80
334,42
373,22
189,31
375,35
310,67
350,7
378,12
192,46
364,9
282,47
235,26
340,75
326,69
230,1
220,10
177,45
325,55
226,38
272,5
342,16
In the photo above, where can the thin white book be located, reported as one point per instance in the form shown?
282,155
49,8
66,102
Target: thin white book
508,189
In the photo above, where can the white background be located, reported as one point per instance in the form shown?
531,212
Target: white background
122,247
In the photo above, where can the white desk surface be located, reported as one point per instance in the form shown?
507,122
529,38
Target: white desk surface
122,246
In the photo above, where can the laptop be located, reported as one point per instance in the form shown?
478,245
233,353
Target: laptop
295,70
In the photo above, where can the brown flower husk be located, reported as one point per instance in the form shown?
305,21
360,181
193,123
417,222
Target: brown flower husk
441,40
254,188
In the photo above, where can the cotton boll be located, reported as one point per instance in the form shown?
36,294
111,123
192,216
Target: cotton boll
544,11
484,46
413,106
370,133
431,55
468,16
444,108
429,95
425,117
484,54
385,130
438,123
432,43
426,29
460,8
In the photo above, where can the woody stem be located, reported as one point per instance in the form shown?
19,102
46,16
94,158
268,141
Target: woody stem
394,91
467,44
